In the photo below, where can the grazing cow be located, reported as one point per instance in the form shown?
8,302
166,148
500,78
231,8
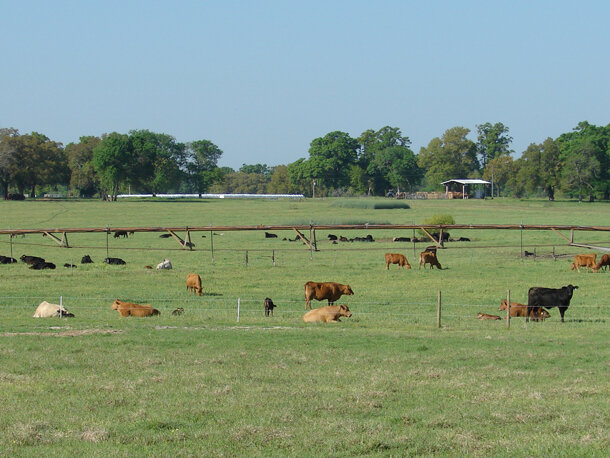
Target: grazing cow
520,310
396,258
131,309
427,257
70,266
603,262
118,234
178,311
115,261
528,253
31,259
269,235
47,310
549,298
431,249
325,290
42,265
193,283
401,239
269,306
332,237
7,260
584,260
165,264
327,314
86,260
486,316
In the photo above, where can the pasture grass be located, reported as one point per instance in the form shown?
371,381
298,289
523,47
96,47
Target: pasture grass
384,382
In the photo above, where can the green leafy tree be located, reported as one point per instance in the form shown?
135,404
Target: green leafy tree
550,167
279,182
493,141
330,158
501,169
80,161
581,169
451,156
242,183
113,160
261,169
397,165
8,158
201,165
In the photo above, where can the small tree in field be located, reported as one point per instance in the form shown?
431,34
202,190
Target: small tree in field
436,219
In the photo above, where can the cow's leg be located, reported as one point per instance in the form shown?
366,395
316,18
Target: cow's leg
562,310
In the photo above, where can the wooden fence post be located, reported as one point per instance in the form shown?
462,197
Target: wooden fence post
508,309
273,257
212,243
61,304
10,239
246,258
438,311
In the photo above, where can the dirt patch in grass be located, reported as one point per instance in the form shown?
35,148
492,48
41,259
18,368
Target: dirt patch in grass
69,333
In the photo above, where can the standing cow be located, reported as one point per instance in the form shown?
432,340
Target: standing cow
548,298
193,283
396,258
325,290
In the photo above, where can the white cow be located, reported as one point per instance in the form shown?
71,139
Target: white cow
47,310
166,264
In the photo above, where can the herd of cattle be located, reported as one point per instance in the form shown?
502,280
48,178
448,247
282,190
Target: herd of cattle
539,298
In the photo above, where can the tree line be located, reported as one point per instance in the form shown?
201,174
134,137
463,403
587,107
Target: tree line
575,164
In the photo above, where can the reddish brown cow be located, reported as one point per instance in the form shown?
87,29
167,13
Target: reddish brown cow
427,257
486,316
131,309
193,283
603,262
325,290
520,310
396,258
328,314
584,260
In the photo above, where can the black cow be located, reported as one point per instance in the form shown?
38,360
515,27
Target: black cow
86,260
437,236
269,306
42,265
69,266
118,234
269,235
332,237
31,259
115,261
165,236
401,239
7,260
549,298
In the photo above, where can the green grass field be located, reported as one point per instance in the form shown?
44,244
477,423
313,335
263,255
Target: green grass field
385,382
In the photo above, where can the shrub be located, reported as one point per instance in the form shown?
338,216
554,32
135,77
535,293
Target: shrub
436,219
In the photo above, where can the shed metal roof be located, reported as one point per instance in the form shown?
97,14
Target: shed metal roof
466,181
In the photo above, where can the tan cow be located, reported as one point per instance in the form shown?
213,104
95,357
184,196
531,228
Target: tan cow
396,258
327,314
48,310
325,290
584,260
486,316
193,283
131,309
603,262
520,310
427,257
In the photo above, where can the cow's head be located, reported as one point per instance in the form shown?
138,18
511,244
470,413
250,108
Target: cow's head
503,305
116,304
573,266
346,289
344,311
570,289
541,314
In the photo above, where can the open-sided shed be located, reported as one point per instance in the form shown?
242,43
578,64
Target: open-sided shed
464,182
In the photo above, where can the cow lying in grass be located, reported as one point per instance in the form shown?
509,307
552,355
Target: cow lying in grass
328,314
131,309
48,310
520,310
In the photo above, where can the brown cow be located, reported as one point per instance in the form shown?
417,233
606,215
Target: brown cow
193,282
396,258
584,260
520,310
485,316
427,257
327,314
131,309
326,290
603,262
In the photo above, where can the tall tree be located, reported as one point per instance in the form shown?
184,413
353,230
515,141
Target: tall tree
279,182
500,169
201,164
8,158
581,169
330,157
550,167
451,156
261,169
397,166
493,141
113,160
80,160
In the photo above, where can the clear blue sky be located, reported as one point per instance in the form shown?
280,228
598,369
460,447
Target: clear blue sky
263,78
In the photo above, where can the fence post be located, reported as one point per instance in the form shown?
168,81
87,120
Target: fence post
212,243
10,238
508,309
521,233
107,232
61,303
246,258
238,306
273,257
438,311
